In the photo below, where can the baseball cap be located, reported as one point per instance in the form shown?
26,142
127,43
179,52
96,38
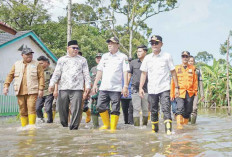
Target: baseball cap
185,53
98,55
113,39
27,50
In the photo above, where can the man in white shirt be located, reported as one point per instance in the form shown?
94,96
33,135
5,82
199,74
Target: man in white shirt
111,68
158,66
71,71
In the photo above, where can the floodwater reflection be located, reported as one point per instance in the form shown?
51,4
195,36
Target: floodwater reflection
211,136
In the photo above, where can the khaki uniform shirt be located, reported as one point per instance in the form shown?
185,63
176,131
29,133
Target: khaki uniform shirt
23,86
47,77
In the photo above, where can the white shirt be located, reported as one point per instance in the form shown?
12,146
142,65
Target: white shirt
158,68
112,67
71,72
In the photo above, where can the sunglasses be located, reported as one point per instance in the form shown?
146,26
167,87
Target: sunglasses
75,48
185,56
155,43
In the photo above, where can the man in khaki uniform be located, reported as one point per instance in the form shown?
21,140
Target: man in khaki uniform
28,78
47,99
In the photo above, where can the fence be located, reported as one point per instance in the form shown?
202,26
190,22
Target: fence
8,104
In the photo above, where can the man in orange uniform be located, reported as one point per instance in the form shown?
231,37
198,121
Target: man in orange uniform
28,78
188,85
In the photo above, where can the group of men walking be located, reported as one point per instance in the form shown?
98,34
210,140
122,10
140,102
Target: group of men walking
155,81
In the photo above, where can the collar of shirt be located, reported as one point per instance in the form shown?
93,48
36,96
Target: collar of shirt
115,54
154,55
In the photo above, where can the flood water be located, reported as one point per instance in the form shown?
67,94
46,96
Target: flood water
211,136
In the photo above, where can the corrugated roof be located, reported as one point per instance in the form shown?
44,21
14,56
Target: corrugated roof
5,37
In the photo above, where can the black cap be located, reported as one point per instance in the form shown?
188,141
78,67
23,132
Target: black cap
130,59
143,47
27,50
185,53
156,38
42,58
72,42
98,55
113,39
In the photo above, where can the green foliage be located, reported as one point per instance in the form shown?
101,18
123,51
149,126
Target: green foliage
214,80
22,14
204,57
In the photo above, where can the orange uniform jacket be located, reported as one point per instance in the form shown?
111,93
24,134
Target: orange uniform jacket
187,80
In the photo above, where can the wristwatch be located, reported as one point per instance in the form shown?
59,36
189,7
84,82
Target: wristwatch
178,87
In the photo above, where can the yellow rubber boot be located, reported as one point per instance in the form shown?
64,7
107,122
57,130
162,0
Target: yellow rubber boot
45,115
168,126
114,122
179,121
185,121
53,115
155,126
149,116
88,116
105,119
24,121
32,118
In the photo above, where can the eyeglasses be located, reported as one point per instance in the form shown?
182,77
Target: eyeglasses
185,56
75,48
155,43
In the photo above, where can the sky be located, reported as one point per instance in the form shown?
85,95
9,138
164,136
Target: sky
195,26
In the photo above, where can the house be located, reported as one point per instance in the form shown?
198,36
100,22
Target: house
9,54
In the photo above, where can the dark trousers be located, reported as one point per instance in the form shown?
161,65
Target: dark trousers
45,101
105,97
127,109
184,106
74,97
85,106
164,99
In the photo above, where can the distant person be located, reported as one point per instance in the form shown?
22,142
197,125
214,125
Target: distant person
28,77
111,68
187,79
47,99
157,66
71,71
139,104
200,88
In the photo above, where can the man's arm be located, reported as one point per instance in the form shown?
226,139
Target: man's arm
9,79
125,86
174,77
98,77
129,78
142,82
40,74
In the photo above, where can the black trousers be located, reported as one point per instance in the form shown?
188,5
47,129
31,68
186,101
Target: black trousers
45,101
74,97
184,106
105,97
164,99
127,109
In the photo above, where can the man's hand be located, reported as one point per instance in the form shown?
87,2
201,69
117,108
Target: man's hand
125,91
40,94
94,90
86,93
172,99
141,92
51,89
55,94
5,90
177,93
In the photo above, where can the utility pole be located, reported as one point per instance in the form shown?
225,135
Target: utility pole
69,30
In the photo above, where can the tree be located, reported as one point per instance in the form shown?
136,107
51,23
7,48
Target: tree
22,14
204,57
136,13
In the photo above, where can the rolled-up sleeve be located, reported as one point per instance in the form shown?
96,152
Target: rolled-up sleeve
170,63
86,74
100,65
126,67
57,73
144,65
